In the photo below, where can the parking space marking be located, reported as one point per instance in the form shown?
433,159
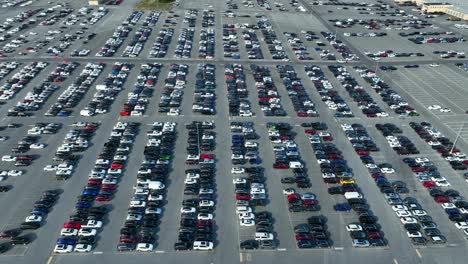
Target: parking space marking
395,261
418,253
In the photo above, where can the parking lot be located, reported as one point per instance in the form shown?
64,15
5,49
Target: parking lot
230,132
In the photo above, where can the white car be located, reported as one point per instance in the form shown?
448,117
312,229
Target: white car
289,191
448,205
3,139
247,222
461,225
442,183
250,216
37,146
93,224
399,207
353,227
33,218
15,173
87,232
237,170
69,232
445,110
403,213
261,236
8,158
61,248
144,247
203,245
434,65
204,216
412,234
387,170
187,209
408,220
50,167
419,212
83,248
434,107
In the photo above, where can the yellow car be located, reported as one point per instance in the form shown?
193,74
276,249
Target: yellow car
346,181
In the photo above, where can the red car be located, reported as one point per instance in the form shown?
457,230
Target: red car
76,225
281,166
108,187
116,165
243,197
441,199
301,114
418,169
103,198
309,202
310,131
362,153
206,156
205,223
94,181
327,138
293,196
124,113
128,239
303,236
375,235
377,175
429,184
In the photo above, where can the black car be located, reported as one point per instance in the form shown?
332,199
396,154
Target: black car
5,188
21,240
4,247
249,244
305,244
182,246
30,225
125,246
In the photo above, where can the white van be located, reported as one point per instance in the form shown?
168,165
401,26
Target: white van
260,236
202,245
352,195
295,165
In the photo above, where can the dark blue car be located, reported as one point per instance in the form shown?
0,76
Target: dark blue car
343,207
82,205
66,240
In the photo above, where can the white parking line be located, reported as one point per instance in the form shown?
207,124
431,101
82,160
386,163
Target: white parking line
395,261
418,253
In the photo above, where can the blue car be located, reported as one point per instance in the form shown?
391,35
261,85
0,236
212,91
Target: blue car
66,241
39,211
452,211
90,192
409,160
255,161
63,114
82,205
343,207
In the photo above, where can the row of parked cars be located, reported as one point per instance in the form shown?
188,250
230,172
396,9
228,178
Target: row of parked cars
206,49
204,100
365,102
174,85
239,105
162,43
7,67
388,95
145,209
300,99
79,233
136,44
107,92
268,95
231,43
36,98
450,200
401,144
197,229
184,43
367,232
71,96
275,46
340,47
252,45
34,221
328,94
76,140
20,79
443,145
297,45
250,188
138,99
